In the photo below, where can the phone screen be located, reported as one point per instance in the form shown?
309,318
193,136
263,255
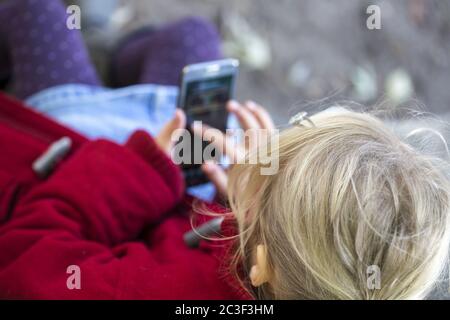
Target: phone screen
205,100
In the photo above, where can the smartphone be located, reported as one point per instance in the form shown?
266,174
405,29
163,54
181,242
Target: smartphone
204,91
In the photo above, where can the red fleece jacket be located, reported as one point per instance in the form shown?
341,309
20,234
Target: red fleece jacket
115,211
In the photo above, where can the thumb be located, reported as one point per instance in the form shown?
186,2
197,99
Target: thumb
164,138
178,122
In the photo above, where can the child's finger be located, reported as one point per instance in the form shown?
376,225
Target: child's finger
225,144
217,176
164,138
246,119
261,114
177,122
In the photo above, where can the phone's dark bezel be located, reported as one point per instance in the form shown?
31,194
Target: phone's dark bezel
202,72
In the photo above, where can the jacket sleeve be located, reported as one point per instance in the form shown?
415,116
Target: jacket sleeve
101,197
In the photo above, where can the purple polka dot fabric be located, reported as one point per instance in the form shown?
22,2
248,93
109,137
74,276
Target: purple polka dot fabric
42,52
158,56
41,47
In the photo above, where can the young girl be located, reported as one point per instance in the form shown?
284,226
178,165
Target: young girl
352,213
349,199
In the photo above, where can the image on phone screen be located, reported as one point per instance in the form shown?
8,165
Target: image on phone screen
206,100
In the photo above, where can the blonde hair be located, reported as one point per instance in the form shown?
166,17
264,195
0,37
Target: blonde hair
349,194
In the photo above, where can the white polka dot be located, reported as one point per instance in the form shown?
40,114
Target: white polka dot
33,33
40,70
51,6
68,64
51,56
37,51
42,18
77,56
27,16
63,46
47,38
57,26
54,75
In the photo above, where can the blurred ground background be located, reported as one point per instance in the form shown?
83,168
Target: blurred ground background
309,49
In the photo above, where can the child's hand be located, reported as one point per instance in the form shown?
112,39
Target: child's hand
251,116
164,139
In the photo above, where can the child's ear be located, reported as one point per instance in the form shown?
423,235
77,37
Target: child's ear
259,273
